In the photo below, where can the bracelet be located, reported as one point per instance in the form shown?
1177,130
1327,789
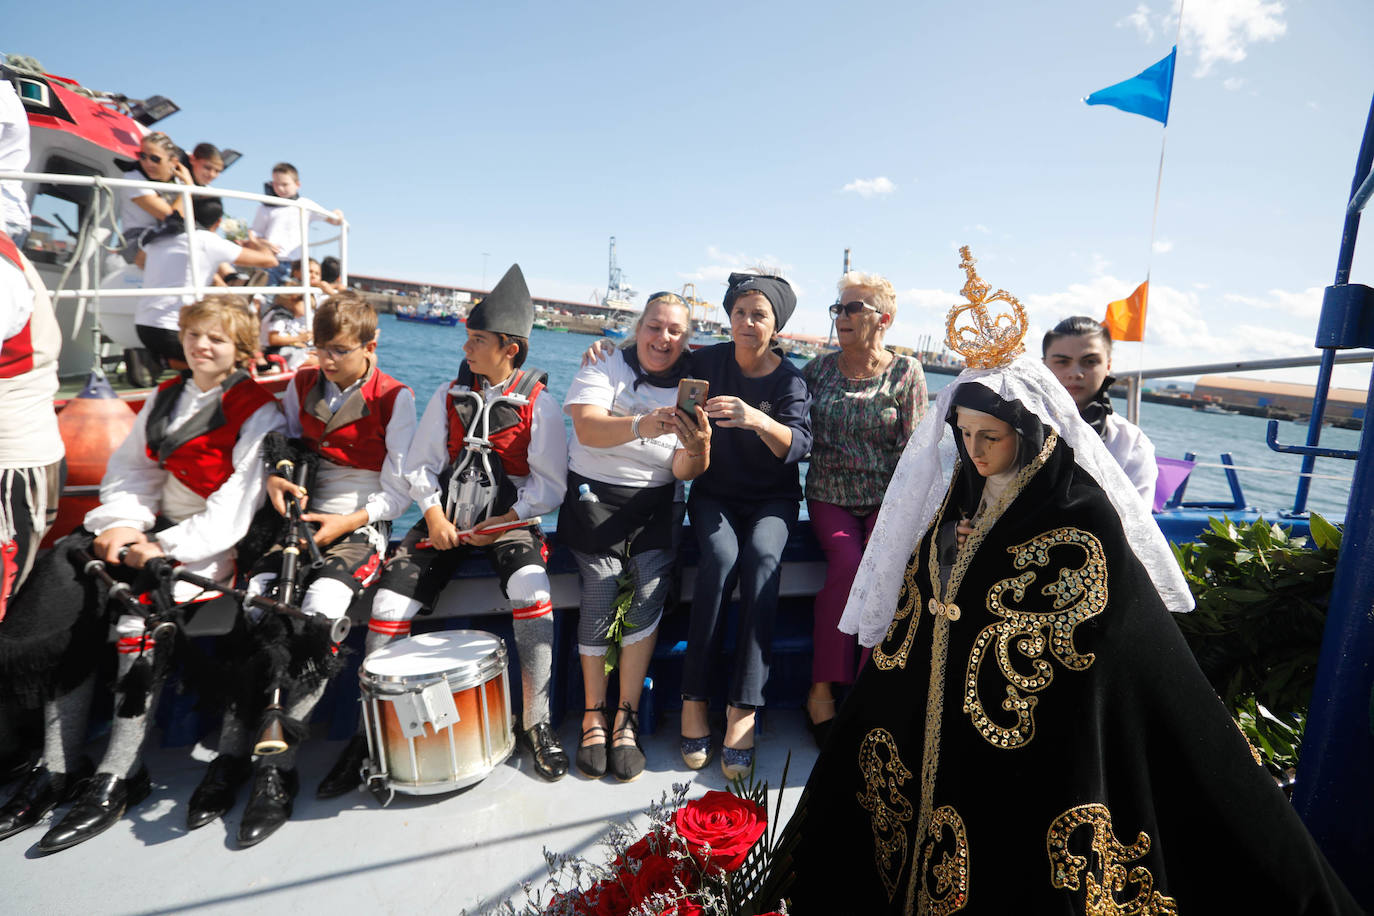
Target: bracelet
634,427
697,455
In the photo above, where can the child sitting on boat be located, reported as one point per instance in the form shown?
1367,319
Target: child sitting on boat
182,487
358,421
280,226
490,451
285,331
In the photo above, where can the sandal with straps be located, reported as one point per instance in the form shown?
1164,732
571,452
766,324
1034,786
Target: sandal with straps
591,758
627,760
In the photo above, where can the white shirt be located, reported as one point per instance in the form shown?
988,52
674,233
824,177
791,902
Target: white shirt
14,156
539,492
135,490
132,217
29,437
1134,451
282,227
638,463
169,265
340,489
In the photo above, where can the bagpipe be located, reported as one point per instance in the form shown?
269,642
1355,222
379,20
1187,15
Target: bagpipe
292,650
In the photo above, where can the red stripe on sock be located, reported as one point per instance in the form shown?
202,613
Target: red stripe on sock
389,627
538,609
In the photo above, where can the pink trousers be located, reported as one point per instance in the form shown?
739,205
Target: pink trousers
842,536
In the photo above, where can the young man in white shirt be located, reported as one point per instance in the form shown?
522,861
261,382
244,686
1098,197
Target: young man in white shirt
166,262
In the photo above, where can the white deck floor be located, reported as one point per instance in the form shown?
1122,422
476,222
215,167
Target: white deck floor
436,854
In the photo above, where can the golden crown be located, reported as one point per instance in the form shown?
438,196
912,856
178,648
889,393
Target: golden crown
986,342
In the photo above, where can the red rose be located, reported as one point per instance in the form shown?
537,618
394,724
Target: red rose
642,848
608,898
659,875
726,823
682,908
568,903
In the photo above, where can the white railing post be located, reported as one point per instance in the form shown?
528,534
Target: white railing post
192,261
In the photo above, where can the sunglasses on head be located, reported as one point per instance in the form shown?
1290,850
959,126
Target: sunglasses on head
154,158
850,308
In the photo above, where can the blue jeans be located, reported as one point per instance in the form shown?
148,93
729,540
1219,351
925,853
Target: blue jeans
741,542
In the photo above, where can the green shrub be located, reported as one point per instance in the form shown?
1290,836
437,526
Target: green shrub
1261,607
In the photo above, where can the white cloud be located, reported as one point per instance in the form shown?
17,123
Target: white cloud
710,278
1232,83
1305,303
1140,21
1163,246
871,187
1220,31
1099,266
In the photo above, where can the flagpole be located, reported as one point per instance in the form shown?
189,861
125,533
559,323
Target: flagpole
1133,405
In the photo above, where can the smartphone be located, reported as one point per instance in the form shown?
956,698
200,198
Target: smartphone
691,394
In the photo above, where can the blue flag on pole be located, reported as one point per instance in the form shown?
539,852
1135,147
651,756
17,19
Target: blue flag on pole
1148,93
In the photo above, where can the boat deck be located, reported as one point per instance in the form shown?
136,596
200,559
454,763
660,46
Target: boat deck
469,850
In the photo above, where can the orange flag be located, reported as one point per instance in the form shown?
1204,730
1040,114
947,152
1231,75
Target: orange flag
1126,317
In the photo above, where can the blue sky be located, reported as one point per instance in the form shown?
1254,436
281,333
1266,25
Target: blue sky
711,136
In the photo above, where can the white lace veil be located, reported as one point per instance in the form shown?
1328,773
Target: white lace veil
922,477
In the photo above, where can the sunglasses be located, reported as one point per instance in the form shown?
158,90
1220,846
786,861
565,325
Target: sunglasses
850,308
337,352
154,158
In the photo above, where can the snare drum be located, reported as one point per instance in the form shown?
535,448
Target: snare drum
437,711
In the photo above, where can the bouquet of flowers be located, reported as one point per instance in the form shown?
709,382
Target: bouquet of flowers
703,857
235,230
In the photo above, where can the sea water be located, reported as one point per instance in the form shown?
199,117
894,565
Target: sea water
425,356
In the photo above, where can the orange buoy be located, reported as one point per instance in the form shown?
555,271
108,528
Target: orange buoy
92,425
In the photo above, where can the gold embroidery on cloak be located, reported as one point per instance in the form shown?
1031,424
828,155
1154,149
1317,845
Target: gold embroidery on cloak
906,604
951,873
1108,877
883,773
945,611
1076,594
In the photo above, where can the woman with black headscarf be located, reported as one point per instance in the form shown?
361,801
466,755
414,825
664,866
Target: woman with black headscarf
743,508
1032,734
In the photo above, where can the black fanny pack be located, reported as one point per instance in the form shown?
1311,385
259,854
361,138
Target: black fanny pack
624,520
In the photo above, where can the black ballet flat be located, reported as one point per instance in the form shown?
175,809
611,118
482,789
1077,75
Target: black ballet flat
627,760
591,758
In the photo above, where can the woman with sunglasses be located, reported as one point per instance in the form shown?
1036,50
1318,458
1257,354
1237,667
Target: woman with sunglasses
865,401
143,209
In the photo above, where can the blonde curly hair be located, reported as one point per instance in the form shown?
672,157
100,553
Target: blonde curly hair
879,290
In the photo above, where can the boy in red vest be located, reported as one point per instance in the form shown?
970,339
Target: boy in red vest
359,422
490,450
183,486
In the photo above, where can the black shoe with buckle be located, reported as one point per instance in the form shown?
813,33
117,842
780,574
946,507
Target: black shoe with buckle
270,805
347,772
218,791
103,801
550,760
39,792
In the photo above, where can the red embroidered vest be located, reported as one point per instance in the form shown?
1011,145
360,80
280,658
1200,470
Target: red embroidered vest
16,356
359,439
509,427
200,452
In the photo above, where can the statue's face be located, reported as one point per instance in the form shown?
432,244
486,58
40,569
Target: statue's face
991,444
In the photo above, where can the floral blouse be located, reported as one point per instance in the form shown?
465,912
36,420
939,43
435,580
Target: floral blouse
860,427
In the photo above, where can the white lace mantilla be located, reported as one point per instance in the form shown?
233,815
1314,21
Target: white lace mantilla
922,477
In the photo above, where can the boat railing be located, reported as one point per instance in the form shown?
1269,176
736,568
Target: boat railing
304,209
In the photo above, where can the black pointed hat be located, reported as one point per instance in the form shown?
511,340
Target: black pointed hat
507,309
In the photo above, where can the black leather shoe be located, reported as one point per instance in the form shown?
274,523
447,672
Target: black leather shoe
218,791
270,805
104,801
550,760
39,793
346,774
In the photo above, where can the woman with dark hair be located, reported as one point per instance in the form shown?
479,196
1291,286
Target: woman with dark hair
743,508
1032,734
1078,351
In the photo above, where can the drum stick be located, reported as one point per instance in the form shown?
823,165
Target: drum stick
427,544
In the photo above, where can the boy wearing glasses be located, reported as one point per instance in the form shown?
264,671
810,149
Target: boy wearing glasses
359,422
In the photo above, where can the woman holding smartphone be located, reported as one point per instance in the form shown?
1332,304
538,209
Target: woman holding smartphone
630,446
743,507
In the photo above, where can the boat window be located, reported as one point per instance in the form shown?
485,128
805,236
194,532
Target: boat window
32,91
57,213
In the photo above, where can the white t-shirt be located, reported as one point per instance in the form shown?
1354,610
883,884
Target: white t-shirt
14,156
643,462
1134,451
282,227
168,264
132,217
